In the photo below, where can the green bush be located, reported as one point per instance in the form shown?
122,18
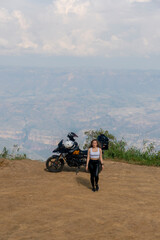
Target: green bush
118,150
4,153
14,155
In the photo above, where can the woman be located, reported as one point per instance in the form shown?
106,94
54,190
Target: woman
94,158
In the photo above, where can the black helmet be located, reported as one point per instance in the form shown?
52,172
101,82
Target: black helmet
71,135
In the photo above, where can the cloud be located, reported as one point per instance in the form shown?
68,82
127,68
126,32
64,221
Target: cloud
4,16
80,28
140,1
26,43
15,32
71,6
21,20
3,42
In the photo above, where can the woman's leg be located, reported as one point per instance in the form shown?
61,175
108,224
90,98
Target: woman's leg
96,179
92,179
92,175
97,173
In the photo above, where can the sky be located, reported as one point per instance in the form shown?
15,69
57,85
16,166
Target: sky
112,33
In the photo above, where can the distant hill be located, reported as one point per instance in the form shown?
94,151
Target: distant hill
39,106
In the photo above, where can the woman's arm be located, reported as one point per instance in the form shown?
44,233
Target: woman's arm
101,159
88,156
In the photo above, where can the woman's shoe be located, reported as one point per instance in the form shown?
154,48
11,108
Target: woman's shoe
97,187
93,189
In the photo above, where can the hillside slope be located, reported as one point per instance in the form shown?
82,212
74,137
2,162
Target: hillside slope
126,103
39,205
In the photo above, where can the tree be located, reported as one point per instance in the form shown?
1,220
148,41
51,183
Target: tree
94,134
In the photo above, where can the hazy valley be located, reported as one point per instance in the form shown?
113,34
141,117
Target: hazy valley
39,106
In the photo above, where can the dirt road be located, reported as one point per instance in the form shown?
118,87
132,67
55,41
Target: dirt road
38,205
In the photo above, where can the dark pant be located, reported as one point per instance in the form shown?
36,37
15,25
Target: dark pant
93,167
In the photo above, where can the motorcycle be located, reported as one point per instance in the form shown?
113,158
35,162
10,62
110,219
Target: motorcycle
69,153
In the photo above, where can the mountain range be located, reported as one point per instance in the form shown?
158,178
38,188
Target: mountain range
39,106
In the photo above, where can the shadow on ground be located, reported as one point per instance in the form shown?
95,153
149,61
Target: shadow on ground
70,169
83,181
73,169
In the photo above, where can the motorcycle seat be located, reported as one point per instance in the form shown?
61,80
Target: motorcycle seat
84,151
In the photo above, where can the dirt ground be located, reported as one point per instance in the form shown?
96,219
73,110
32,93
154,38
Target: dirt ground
38,205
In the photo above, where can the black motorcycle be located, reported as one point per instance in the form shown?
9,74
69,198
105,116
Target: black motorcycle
73,156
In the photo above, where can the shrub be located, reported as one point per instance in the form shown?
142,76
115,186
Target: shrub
4,153
118,150
14,153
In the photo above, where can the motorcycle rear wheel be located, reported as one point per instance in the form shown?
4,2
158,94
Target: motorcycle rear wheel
54,164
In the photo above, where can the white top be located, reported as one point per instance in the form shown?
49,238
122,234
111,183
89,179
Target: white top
94,154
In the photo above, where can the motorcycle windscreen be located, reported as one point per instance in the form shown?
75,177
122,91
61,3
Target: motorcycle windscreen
60,143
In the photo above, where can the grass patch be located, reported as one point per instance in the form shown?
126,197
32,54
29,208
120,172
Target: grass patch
13,155
118,150
146,156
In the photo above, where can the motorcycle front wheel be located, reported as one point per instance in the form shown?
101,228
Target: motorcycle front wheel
54,164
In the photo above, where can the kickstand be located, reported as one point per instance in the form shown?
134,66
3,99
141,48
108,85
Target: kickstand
77,170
